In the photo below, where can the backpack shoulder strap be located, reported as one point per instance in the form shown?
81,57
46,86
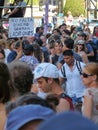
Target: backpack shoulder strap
63,72
78,64
63,95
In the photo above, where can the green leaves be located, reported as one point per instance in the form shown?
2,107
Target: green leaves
77,7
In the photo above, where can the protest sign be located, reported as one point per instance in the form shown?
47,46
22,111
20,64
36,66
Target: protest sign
20,27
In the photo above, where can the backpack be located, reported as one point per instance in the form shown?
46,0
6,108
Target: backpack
63,95
78,66
94,46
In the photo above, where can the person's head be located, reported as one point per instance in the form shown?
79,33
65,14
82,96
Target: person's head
31,39
3,43
66,33
63,26
68,44
87,30
28,117
58,46
73,29
11,43
68,121
43,38
51,46
68,57
56,31
80,46
28,49
49,27
25,42
90,74
37,29
21,76
5,83
38,52
46,75
51,101
81,35
95,31
53,37
18,45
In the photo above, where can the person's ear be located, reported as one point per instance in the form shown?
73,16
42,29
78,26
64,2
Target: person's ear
94,77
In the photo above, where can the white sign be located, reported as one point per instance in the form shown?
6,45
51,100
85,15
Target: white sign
19,27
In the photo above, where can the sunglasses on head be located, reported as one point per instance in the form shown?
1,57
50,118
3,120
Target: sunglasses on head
86,75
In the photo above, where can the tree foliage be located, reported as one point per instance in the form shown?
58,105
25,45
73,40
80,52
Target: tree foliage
34,2
77,7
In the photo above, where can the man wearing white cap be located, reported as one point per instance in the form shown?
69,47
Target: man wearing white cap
47,76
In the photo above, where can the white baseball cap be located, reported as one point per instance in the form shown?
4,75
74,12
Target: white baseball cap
46,70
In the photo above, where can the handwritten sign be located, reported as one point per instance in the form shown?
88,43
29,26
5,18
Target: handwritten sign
20,27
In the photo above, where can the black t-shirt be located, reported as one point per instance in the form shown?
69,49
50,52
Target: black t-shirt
55,59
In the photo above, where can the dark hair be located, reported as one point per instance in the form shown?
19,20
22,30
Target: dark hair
10,42
25,42
32,98
38,52
55,79
22,76
39,41
5,83
73,28
56,29
67,32
2,52
69,42
18,44
37,29
58,41
51,44
68,53
28,49
53,37
53,99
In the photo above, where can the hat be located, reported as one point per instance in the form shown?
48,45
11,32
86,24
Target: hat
24,114
46,70
68,121
81,42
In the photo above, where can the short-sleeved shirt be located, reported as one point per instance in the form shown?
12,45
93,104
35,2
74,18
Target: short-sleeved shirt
12,55
74,85
30,60
89,92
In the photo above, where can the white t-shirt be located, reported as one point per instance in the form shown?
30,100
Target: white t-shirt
74,85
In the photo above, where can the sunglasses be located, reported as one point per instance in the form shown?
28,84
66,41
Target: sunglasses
86,75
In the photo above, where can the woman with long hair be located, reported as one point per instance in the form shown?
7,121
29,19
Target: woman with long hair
90,100
80,48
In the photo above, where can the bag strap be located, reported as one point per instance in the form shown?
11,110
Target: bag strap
63,72
79,66
63,95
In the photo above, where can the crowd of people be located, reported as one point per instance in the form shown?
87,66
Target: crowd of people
50,79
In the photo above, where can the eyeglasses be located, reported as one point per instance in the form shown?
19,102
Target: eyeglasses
86,75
